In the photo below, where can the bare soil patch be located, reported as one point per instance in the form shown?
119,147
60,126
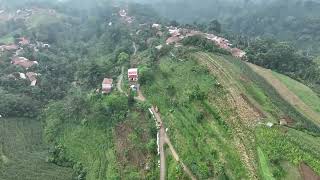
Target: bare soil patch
256,109
126,150
307,173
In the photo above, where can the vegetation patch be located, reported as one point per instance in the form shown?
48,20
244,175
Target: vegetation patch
23,152
302,91
264,165
8,39
180,89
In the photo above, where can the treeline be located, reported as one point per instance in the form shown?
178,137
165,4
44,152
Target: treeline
284,58
83,50
296,21
204,44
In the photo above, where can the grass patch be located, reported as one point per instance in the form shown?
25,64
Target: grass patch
174,169
276,105
279,146
302,91
8,39
264,165
196,128
292,171
94,147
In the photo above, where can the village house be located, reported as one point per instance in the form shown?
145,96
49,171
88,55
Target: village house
107,85
122,13
23,62
23,41
238,53
173,40
11,47
32,77
156,26
133,75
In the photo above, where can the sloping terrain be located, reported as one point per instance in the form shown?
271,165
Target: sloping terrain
23,153
288,95
214,99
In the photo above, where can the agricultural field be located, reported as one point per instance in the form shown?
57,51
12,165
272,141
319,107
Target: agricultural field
23,152
193,122
179,90
125,150
270,103
309,97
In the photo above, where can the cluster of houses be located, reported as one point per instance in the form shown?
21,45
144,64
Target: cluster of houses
178,34
18,60
124,15
133,77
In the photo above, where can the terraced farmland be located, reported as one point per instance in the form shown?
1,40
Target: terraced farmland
23,153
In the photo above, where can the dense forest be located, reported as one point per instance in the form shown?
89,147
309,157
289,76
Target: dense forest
295,21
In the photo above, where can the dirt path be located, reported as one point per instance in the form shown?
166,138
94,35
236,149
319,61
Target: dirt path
135,48
285,93
164,139
119,83
248,115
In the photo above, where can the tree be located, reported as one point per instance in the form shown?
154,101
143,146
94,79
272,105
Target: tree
123,57
214,26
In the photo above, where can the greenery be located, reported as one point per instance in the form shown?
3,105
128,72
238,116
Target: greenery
284,59
279,146
214,107
264,165
204,44
22,147
188,129
303,92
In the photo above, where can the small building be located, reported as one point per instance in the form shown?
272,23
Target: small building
11,47
156,26
107,85
123,13
172,40
23,62
238,53
23,41
133,75
32,77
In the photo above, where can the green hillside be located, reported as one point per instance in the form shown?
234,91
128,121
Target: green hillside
23,152
195,112
193,93
302,91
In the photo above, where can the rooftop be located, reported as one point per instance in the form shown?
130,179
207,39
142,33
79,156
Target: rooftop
107,81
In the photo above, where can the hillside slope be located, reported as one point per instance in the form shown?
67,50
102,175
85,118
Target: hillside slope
23,152
211,99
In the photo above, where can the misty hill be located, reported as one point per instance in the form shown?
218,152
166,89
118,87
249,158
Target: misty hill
102,90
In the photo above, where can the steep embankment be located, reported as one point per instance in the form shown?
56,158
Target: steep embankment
221,102
288,95
193,107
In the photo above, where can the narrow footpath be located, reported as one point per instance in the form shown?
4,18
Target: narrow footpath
163,137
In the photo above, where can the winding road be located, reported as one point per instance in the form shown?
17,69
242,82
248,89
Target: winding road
163,137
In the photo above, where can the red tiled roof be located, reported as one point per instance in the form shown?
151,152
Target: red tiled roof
172,40
23,62
24,41
9,47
